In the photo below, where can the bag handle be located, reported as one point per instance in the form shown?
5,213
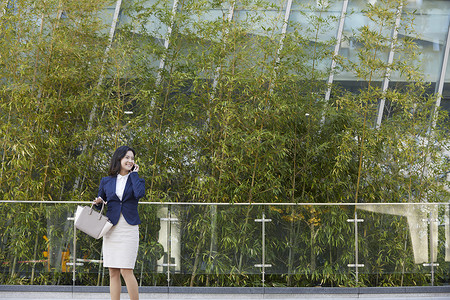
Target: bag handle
101,210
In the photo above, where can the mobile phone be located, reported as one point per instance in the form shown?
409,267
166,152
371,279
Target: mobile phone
132,168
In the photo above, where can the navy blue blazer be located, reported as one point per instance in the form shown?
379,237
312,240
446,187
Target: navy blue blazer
134,190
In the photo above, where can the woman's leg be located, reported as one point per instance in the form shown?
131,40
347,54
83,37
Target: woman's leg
131,282
114,283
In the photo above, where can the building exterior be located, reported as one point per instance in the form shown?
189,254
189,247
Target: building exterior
283,143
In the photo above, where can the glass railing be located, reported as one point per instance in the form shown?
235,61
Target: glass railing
199,244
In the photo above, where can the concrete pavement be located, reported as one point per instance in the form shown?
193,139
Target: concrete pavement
185,293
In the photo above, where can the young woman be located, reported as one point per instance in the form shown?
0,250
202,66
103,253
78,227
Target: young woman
121,191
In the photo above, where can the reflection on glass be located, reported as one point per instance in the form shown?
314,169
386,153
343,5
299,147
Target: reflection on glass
265,19
154,24
431,20
396,242
305,241
237,245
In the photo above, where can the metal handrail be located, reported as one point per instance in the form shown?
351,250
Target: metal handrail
237,204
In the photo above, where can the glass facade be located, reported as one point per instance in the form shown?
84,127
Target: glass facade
241,102
425,22
238,245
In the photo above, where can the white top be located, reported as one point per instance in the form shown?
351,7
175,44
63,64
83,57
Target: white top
120,185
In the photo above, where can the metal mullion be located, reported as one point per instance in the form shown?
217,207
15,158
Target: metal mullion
438,93
112,31
162,62
388,68
217,71
230,15
441,80
287,15
336,48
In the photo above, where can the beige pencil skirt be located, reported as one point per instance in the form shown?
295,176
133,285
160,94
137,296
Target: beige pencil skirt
120,245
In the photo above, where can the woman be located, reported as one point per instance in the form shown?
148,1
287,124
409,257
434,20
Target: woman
121,191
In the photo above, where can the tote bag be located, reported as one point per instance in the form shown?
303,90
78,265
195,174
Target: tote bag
92,222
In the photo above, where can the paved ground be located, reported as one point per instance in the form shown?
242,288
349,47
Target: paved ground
172,296
100,293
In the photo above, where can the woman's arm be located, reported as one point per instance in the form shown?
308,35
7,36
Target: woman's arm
138,185
101,195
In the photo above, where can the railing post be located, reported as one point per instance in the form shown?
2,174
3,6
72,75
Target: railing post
356,265
432,263
74,251
263,264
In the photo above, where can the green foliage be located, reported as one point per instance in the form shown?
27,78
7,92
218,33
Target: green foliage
232,111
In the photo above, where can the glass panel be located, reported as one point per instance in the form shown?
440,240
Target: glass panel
430,20
152,18
106,15
151,262
88,253
259,258
219,245
385,245
36,244
313,27
442,226
358,44
202,35
204,21
395,244
317,19
309,245
445,105
261,18
256,36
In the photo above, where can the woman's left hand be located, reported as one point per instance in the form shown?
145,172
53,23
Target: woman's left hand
99,200
136,168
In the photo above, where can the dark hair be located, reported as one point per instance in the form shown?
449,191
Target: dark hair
114,166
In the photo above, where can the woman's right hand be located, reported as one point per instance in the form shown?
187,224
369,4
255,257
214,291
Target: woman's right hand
98,200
